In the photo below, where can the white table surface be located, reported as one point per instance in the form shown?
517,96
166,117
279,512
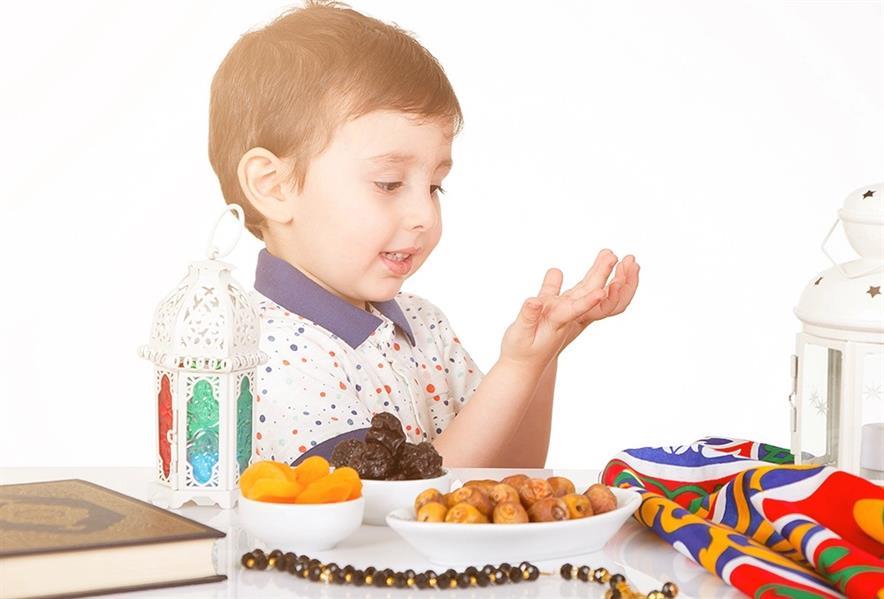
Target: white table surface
636,552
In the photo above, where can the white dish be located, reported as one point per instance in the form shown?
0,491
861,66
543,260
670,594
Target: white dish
300,527
385,496
470,544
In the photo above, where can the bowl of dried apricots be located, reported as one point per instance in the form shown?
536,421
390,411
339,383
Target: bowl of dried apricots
307,507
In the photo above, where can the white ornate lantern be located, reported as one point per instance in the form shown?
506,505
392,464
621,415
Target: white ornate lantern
838,372
204,346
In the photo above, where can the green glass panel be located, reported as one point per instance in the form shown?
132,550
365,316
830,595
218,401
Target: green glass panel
244,424
202,431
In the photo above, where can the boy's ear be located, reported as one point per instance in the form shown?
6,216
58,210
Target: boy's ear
264,179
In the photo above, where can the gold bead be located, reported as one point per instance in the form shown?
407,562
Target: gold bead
348,577
390,581
368,579
250,562
271,561
453,583
325,576
410,582
526,574
432,581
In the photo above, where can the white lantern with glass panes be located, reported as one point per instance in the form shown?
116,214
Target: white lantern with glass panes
204,346
838,370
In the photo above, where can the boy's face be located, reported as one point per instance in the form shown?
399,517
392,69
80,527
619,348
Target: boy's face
373,190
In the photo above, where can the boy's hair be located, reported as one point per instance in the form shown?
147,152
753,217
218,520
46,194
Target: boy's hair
287,86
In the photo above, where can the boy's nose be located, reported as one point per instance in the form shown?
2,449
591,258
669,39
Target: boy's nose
421,211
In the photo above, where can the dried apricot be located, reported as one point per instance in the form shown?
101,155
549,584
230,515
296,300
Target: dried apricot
275,490
311,470
263,469
340,485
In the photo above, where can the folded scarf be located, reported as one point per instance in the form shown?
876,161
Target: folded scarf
770,528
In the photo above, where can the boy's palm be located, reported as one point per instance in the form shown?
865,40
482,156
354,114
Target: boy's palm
551,321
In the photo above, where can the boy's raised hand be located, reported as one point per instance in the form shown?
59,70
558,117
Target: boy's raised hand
548,323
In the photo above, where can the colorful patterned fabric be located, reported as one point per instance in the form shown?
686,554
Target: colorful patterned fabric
770,528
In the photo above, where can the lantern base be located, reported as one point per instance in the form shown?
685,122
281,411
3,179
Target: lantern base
170,499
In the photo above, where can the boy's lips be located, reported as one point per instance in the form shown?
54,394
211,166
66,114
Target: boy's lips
401,267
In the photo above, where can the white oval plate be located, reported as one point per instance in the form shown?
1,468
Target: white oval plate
458,544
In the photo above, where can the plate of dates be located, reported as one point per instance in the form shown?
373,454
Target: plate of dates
512,520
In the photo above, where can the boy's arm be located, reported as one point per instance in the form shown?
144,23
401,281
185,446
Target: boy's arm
491,418
528,448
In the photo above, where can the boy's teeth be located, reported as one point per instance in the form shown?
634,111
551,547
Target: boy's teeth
396,257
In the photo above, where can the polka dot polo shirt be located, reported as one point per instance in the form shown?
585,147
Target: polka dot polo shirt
333,366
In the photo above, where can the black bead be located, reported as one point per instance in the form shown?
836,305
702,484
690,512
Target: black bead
291,567
565,571
257,552
501,576
421,581
471,571
451,572
505,566
443,581
314,562
303,559
399,580
616,579
489,570
669,590
357,577
332,567
378,579
515,574
370,570
430,574
482,579
583,573
276,553
615,594
261,562
524,566
464,580
409,574
314,573
533,573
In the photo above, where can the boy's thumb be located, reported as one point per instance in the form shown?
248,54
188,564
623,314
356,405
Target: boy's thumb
531,310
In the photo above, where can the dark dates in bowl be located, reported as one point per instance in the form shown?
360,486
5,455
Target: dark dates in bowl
393,471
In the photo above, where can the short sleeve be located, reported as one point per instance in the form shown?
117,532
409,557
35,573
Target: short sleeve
464,375
303,409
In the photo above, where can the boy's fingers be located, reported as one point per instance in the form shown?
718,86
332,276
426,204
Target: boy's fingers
599,272
611,302
570,309
552,283
629,288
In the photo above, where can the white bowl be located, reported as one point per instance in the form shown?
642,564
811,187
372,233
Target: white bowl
463,544
300,527
384,496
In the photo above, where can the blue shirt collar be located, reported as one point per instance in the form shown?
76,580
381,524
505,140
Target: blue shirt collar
281,282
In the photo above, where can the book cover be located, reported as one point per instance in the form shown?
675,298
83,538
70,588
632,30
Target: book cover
71,517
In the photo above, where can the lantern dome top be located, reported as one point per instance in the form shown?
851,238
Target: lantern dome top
845,301
206,323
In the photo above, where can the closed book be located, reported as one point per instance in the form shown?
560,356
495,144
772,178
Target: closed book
72,538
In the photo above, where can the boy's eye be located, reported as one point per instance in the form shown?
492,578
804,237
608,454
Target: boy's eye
390,186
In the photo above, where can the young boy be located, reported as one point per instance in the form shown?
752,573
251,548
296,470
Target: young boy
333,131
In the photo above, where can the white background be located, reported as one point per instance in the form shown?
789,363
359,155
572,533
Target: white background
714,140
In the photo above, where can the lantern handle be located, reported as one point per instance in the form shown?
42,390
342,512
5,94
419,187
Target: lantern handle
838,266
213,251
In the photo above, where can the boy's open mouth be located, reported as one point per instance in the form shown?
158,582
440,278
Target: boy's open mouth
398,263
